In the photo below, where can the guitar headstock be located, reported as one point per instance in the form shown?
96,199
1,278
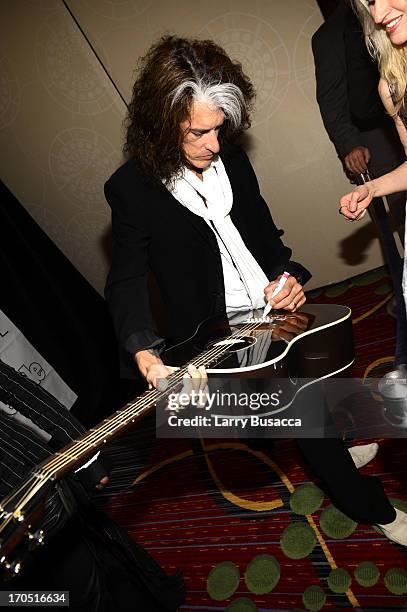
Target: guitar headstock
18,537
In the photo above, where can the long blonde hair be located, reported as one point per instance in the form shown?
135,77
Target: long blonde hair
391,59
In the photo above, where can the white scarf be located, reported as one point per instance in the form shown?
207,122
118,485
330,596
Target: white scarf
216,190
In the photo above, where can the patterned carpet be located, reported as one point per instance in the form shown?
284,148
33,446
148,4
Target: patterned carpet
240,524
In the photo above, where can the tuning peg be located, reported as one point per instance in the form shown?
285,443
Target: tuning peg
35,539
12,568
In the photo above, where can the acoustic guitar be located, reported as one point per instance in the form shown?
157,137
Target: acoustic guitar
314,343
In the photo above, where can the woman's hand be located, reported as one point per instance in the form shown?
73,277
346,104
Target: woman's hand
353,205
290,297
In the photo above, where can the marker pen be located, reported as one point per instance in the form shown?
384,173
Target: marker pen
278,288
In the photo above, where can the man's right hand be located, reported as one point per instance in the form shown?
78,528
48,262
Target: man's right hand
356,161
151,367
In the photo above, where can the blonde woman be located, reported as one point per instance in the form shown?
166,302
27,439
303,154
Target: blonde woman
385,27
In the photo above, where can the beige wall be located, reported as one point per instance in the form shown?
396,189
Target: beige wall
61,117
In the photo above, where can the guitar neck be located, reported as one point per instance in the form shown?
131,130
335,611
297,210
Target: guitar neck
76,452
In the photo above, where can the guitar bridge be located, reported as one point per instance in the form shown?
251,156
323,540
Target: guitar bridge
272,320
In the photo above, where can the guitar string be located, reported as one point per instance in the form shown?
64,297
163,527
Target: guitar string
152,396
64,458
125,414
201,359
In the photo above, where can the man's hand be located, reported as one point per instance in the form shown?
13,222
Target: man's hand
104,481
154,371
356,161
290,297
151,367
353,205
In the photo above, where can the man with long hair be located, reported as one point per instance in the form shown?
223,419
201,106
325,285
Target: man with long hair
187,205
172,202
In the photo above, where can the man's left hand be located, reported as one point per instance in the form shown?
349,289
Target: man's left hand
290,297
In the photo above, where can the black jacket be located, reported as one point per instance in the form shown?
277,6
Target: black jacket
21,448
153,231
347,80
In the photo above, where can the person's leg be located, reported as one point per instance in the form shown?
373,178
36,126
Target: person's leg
362,498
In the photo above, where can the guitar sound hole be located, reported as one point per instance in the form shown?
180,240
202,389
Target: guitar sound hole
232,344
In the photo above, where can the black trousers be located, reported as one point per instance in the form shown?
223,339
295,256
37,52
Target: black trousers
362,498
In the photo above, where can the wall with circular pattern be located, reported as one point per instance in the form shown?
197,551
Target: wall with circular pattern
66,71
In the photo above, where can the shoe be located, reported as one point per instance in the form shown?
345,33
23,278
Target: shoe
363,453
397,529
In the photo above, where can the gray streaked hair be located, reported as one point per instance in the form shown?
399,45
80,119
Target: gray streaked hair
225,97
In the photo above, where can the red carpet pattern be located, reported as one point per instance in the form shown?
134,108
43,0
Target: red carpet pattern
195,506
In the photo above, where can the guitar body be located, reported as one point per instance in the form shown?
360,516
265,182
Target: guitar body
314,343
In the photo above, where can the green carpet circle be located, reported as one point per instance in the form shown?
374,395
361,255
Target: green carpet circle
314,598
262,574
337,290
395,580
314,293
398,503
339,580
382,289
297,541
243,604
369,277
223,580
335,524
306,499
367,574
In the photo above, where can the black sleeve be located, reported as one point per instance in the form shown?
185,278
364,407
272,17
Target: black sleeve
332,93
19,451
45,411
126,289
35,403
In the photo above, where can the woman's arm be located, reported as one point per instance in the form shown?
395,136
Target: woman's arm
353,205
